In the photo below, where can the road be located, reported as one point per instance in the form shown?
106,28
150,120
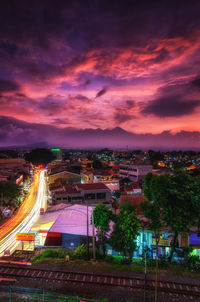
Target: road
26,216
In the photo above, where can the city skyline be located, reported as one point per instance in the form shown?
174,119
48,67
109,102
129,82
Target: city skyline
100,73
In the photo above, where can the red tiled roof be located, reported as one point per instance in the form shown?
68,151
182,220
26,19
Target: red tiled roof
132,186
92,186
135,200
102,172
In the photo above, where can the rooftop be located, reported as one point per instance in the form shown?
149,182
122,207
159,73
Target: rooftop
92,186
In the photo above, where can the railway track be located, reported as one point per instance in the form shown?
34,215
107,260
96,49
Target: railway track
128,283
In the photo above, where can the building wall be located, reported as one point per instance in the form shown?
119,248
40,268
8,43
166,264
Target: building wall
72,241
84,196
134,172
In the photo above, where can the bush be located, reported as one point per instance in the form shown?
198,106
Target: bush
193,263
48,253
163,263
62,253
80,252
109,259
125,261
184,252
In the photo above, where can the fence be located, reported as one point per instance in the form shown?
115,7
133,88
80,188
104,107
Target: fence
19,294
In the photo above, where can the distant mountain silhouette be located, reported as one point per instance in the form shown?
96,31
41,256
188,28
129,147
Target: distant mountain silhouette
15,132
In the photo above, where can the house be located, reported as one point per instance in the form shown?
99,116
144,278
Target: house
91,193
134,172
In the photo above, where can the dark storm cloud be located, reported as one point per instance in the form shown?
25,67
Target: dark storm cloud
52,104
196,82
82,98
79,48
87,25
130,104
122,112
121,117
171,106
101,92
8,86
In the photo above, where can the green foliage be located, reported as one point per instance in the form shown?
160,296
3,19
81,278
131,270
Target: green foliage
48,253
109,259
62,253
40,156
184,252
117,194
102,216
80,252
9,191
153,189
193,263
125,230
172,201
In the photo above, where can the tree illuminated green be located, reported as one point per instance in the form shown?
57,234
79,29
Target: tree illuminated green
153,189
181,205
125,231
172,201
102,216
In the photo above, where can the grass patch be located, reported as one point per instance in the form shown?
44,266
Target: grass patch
110,263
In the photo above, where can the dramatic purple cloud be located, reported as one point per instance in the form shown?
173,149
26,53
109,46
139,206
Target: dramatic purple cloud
99,65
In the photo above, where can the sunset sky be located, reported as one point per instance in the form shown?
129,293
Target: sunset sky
101,65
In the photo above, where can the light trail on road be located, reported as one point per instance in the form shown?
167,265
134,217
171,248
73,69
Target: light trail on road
26,216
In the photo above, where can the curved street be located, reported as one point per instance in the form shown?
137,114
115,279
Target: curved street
26,215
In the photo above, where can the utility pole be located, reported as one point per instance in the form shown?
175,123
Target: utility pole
93,238
88,256
156,280
145,276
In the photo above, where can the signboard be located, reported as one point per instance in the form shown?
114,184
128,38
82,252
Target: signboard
25,236
162,241
184,240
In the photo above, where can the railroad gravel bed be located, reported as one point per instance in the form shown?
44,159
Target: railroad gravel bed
178,278
114,294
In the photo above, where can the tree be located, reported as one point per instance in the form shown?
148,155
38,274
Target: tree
102,215
125,231
181,205
172,201
9,191
155,156
123,181
40,156
97,164
154,189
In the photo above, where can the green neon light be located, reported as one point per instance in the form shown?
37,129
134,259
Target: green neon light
55,150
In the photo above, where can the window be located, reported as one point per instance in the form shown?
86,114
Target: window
90,196
101,195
